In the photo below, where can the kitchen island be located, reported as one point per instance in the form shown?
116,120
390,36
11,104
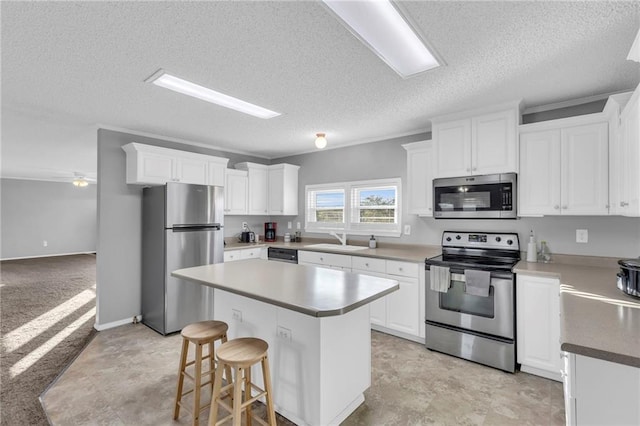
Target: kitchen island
316,322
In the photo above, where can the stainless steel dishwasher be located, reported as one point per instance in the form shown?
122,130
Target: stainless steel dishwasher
282,254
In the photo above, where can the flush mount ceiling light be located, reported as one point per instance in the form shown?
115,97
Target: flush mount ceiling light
80,182
381,27
321,140
168,81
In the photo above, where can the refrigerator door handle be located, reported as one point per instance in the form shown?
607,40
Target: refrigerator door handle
188,228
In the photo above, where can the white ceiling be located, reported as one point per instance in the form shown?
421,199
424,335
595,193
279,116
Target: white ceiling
70,67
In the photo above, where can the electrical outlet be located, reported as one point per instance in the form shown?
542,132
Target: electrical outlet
237,315
407,230
289,226
284,333
582,235
298,225
45,243
245,226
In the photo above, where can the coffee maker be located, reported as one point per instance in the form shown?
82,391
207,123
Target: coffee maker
270,231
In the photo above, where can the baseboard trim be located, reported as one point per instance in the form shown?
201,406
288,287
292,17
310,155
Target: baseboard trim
101,327
48,255
541,373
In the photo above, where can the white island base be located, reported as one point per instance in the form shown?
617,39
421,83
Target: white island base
320,366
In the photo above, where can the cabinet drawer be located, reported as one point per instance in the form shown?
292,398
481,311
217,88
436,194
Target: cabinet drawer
368,264
230,256
328,259
404,269
252,253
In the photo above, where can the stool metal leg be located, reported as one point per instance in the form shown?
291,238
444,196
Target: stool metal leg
181,367
266,377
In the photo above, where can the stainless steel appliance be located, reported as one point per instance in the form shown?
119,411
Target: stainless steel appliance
282,254
181,227
459,322
270,231
628,278
475,197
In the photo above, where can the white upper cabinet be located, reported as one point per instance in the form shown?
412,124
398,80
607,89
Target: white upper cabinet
216,174
236,192
258,186
153,165
191,170
584,174
477,143
273,190
539,179
420,167
452,148
624,153
564,170
283,189
494,147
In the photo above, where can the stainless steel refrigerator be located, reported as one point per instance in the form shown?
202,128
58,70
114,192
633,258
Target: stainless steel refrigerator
182,226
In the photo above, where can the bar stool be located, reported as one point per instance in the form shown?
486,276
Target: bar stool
200,334
241,354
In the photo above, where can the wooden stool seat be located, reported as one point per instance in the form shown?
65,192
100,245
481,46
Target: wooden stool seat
241,354
203,333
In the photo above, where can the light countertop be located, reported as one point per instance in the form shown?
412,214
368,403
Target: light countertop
402,252
314,291
597,319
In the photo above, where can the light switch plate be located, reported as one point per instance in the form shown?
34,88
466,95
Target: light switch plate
407,230
582,235
289,225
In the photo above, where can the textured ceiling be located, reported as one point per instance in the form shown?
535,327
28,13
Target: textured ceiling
68,67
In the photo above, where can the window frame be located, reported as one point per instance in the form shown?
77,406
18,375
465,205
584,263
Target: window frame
351,224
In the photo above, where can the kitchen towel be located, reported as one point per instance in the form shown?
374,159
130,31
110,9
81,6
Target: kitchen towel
440,277
477,282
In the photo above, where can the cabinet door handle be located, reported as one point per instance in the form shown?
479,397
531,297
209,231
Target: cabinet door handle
475,169
468,169
366,264
564,207
624,204
556,207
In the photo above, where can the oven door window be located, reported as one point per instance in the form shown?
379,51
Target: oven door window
457,300
465,198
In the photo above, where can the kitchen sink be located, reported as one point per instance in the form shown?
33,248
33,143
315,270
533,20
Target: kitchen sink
336,247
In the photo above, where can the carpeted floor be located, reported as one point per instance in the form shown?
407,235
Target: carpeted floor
47,310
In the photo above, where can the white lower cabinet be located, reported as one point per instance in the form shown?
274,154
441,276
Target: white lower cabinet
403,310
326,260
242,254
400,312
538,325
599,392
376,268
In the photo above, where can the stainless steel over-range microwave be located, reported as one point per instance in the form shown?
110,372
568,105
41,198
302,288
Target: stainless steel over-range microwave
475,197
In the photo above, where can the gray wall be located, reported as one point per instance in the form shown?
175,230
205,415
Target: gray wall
610,236
58,212
119,227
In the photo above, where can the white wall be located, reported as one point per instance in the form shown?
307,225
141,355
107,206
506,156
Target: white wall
58,212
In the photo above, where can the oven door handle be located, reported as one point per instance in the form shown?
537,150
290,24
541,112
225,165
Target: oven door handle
457,274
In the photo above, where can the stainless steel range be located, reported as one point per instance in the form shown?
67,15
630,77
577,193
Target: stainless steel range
470,298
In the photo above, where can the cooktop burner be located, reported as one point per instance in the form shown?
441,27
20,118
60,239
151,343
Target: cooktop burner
478,250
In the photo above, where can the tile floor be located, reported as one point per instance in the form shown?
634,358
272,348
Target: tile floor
127,376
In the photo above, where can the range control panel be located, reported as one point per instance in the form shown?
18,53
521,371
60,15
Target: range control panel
485,240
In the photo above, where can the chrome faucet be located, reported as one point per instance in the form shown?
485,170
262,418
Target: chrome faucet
342,240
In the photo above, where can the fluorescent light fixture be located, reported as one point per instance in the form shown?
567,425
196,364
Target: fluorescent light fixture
380,26
168,81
